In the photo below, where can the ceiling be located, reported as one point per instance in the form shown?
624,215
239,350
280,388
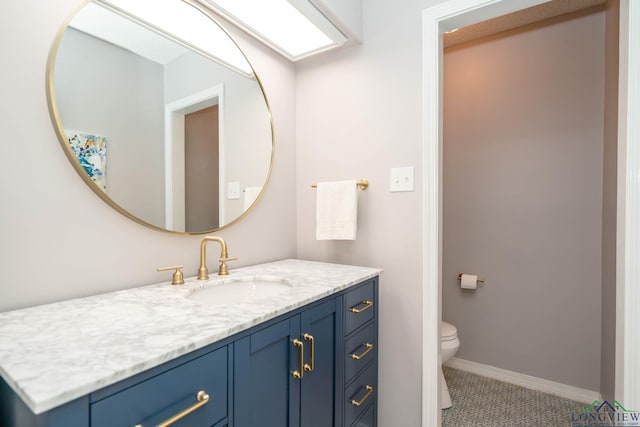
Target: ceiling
102,23
160,31
517,19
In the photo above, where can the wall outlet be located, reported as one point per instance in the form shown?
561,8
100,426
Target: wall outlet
233,190
401,179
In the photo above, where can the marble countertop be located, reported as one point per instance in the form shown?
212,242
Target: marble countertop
54,353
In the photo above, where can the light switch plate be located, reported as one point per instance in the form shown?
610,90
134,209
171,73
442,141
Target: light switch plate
233,190
401,179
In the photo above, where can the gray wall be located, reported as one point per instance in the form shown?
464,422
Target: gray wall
609,201
59,240
359,113
247,132
523,152
103,89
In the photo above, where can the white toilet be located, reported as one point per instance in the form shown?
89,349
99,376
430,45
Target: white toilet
449,344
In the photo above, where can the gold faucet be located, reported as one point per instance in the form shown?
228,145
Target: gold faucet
203,271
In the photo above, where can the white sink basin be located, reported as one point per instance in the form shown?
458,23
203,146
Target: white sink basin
246,290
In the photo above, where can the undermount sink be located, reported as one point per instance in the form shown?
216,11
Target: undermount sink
245,290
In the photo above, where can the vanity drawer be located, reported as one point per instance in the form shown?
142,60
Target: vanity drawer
359,307
360,394
161,397
359,351
368,419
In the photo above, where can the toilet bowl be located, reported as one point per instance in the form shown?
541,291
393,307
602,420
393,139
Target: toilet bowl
449,345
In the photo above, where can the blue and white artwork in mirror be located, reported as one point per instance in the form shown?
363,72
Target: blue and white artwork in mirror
91,152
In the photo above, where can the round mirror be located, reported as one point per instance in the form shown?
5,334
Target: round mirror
160,113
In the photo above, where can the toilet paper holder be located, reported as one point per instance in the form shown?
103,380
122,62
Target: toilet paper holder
480,279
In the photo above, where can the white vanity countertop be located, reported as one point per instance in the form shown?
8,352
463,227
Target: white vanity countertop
54,353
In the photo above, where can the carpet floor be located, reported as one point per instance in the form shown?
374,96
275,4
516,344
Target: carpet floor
484,402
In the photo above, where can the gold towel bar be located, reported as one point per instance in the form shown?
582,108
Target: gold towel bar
362,184
480,279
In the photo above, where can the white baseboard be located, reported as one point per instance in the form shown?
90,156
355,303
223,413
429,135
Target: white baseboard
527,381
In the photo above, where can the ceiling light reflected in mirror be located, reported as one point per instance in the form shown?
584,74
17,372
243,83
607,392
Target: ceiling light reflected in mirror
295,28
183,25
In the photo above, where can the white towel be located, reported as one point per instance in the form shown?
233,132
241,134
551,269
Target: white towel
337,210
250,196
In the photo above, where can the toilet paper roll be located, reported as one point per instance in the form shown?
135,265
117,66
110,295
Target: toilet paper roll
469,281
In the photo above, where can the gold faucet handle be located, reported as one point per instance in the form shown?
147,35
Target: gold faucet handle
223,270
178,277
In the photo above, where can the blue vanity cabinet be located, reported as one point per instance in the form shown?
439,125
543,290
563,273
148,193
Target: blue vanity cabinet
14,412
263,383
286,374
315,366
143,400
361,355
319,386
200,384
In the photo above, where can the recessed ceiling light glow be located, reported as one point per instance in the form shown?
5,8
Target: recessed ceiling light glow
187,25
279,22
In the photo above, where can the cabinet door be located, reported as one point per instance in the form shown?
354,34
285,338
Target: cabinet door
318,394
266,394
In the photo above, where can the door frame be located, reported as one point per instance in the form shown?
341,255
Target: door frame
174,159
453,14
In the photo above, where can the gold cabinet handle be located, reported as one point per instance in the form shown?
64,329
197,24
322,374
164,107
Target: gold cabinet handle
368,346
299,374
309,367
364,305
202,398
369,390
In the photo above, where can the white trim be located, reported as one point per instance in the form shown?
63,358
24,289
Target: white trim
628,269
527,381
222,159
173,158
455,13
174,152
431,208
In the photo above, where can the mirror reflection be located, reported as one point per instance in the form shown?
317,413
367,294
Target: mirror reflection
171,130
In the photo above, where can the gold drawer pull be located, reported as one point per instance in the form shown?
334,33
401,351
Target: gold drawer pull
309,367
202,398
299,374
366,395
368,346
365,304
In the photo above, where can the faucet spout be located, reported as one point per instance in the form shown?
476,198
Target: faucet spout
203,271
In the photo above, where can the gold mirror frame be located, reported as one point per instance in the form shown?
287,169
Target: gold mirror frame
63,140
